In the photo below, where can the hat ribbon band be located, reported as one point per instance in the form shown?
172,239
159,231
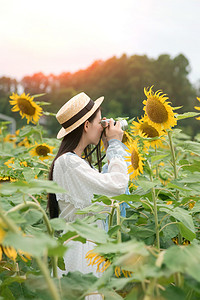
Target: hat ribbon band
79,115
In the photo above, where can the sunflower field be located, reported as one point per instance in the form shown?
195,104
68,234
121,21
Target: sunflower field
153,252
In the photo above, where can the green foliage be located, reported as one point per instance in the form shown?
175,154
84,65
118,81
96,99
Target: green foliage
121,80
157,241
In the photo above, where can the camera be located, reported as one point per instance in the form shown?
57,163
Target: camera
123,123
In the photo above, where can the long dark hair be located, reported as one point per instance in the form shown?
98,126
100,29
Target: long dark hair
68,144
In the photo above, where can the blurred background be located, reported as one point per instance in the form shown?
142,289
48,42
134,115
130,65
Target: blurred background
113,48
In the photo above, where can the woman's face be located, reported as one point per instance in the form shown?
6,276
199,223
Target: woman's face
94,129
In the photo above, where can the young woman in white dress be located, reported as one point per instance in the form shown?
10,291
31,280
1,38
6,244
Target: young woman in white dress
80,119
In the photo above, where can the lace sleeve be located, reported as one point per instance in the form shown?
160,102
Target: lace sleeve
82,182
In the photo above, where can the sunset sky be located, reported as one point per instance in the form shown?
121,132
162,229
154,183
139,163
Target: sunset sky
62,35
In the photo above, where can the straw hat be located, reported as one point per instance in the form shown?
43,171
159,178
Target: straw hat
75,112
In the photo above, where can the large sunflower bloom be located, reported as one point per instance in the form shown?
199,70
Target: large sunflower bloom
42,150
136,159
158,110
144,129
198,108
26,107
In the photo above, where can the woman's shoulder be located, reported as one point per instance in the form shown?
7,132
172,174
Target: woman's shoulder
68,159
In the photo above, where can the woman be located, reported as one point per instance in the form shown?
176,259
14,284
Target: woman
80,119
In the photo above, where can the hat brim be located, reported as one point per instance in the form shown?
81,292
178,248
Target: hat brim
62,132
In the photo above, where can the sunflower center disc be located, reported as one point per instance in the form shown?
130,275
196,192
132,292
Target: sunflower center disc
156,111
26,107
42,150
134,159
149,130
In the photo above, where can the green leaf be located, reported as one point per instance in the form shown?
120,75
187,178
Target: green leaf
127,198
32,216
113,230
187,115
146,185
94,208
185,232
190,146
35,186
88,231
194,167
38,95
58,223
173,292
35,246
177,186
158,157
58,251
184,259
132,246
186,225
141,233
46,113
106,200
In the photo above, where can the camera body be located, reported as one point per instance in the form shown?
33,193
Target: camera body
123,123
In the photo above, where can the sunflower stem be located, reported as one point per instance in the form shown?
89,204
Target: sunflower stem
156,164
10,224
156,219
35,206
173,160
119,238
111,217
155,210
51,286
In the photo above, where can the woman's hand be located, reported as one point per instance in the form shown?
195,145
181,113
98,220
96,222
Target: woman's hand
114,131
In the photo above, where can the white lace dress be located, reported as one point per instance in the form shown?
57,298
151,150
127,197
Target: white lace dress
81,183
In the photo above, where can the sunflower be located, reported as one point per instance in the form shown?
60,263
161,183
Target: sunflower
6,179
10,138
24,143
96,259
198,108
127,139
42,150
144,129
26,107
136,159
9,162
159,112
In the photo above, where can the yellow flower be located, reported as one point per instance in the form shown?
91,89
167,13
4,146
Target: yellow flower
10,138
42,150
10,252
136,160
26,107
9,162
169,202
127,139
159,112
6,178
2,232
191,204
144,129
197,108
24,143
23,163
96,259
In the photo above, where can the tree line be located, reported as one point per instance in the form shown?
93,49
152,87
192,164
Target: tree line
120,80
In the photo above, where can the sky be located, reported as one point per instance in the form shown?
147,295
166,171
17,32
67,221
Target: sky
67,35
